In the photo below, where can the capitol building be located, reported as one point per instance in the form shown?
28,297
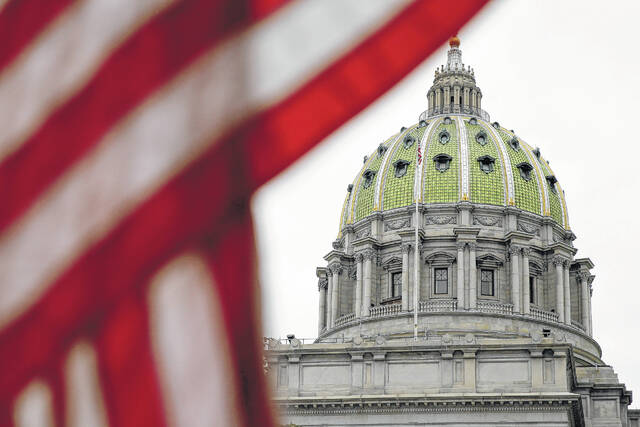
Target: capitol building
452,295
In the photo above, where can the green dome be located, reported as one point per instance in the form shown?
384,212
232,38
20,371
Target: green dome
465,158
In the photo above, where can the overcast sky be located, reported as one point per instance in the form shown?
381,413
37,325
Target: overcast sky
563,75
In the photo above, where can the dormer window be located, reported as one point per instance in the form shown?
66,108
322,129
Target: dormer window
381,150
473,121
551,180
481,138
536,151
402,129
442,162
514,143
444,137
422,124
349,188
401,167
368,178
447,120
496,125
486,163
364,160
525,170
408,141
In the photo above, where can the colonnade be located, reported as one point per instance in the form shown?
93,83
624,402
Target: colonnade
466,285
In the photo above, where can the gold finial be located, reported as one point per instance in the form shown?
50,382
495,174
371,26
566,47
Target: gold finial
454,41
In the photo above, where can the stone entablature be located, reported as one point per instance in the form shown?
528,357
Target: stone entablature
452,376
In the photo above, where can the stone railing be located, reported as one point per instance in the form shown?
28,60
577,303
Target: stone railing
536,313
385,310
438,305
345,318
494,307
455,108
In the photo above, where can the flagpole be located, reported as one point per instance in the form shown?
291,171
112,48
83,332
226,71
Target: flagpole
416,259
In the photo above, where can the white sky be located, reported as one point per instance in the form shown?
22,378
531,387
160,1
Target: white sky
562,74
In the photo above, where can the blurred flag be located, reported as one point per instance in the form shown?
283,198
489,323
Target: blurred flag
132,135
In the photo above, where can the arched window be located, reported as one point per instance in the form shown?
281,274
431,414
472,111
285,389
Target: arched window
525,170
368,178
442,162
481,138
408,141
514,143
401,167
486,163
381,150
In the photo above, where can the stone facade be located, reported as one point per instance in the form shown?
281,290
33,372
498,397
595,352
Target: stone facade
496,330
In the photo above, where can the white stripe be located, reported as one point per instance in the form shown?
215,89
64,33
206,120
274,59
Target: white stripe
34,407
426,140
190,346
137,157
85,404
506,161
61,61
464,158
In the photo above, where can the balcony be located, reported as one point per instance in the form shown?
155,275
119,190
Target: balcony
455,109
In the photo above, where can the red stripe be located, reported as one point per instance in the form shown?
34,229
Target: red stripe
291,128
125,362
205,198
22,20
145,62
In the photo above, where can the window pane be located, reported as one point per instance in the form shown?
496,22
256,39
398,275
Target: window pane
532,290
396,289
486,282
442,280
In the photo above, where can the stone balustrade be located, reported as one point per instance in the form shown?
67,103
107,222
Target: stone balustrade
345,318
439,305
385,310
539,314
494,307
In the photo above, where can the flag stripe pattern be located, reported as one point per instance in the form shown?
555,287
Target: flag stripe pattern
146,155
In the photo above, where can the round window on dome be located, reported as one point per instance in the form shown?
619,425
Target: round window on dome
447,120
487,163
514,143
481,138
473,121
408,141
423,123
442,162
496,125
444,137
401,168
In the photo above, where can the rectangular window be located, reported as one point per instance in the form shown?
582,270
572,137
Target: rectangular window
441,280
396,284
532,289
486,283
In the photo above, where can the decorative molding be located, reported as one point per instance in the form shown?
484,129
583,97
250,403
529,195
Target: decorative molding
583,275
366,232
441,219
336,268
322,284
369,254
558,260
527,228
514,250
352,273
489,221
460,245
359,257
397,224
526,251
337,244
473,246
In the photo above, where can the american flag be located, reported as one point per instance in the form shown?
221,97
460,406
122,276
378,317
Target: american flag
132,136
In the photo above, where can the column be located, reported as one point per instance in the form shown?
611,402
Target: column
357,309
473,281
336,269
526,296
590,309
567,293
558,262
328,321
460,278
322,305
583,276
366,299
514,251
406,248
